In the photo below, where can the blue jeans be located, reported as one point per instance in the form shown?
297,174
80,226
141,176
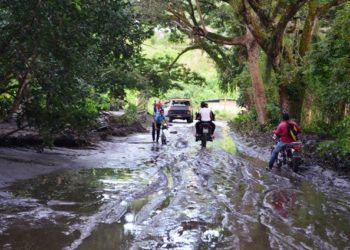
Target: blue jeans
275,152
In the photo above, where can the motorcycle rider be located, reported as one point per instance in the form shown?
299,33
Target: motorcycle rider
205,115
158,121
282,132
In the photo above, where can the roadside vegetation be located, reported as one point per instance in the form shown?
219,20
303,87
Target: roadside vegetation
64,62
325,115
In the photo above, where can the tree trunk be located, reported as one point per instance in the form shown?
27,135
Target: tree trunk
308,30
257,82
296,105
20,93
284,99
308,114
292,97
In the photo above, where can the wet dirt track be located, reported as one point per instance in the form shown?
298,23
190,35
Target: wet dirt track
142,195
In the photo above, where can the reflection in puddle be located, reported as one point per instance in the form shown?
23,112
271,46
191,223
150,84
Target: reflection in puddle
310,218
70,204
117,235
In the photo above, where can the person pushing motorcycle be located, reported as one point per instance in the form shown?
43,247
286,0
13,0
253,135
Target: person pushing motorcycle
285,136
158,121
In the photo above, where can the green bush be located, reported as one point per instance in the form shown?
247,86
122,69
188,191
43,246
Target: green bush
273,113
338,132
53,120
330,147
335,153
130,113
318,126
103,102
245,121
342,132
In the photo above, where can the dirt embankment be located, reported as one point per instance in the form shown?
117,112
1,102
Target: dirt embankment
108,124
312,155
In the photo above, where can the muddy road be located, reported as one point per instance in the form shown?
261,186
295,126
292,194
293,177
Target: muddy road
134,194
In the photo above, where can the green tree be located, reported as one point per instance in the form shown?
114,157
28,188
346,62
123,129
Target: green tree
210,25
151,76
276,25
282,29
329,69
53,55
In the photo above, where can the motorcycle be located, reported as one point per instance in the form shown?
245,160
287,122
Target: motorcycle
205,133
290,155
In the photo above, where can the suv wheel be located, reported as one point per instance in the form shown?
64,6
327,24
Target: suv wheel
190,120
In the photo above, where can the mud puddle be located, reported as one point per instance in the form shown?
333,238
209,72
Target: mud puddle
178,196
67,206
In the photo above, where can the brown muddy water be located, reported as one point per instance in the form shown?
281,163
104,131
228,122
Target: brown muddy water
178,196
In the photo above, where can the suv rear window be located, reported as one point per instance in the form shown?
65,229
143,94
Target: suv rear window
181,103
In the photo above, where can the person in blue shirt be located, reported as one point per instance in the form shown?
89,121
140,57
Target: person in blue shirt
158,121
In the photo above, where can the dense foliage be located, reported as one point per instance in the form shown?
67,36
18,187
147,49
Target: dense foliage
329,68
64,60
328,74
53,54
325,74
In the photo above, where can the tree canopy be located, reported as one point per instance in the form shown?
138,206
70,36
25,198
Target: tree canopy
59,59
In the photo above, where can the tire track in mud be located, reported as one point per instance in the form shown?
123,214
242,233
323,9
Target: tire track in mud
196,171
208,209
233,181
185,197
233,203
164,225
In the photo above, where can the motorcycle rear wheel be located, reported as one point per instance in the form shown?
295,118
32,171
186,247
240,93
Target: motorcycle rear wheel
204,142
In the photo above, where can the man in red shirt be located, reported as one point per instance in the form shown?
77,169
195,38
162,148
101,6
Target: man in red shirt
282,132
